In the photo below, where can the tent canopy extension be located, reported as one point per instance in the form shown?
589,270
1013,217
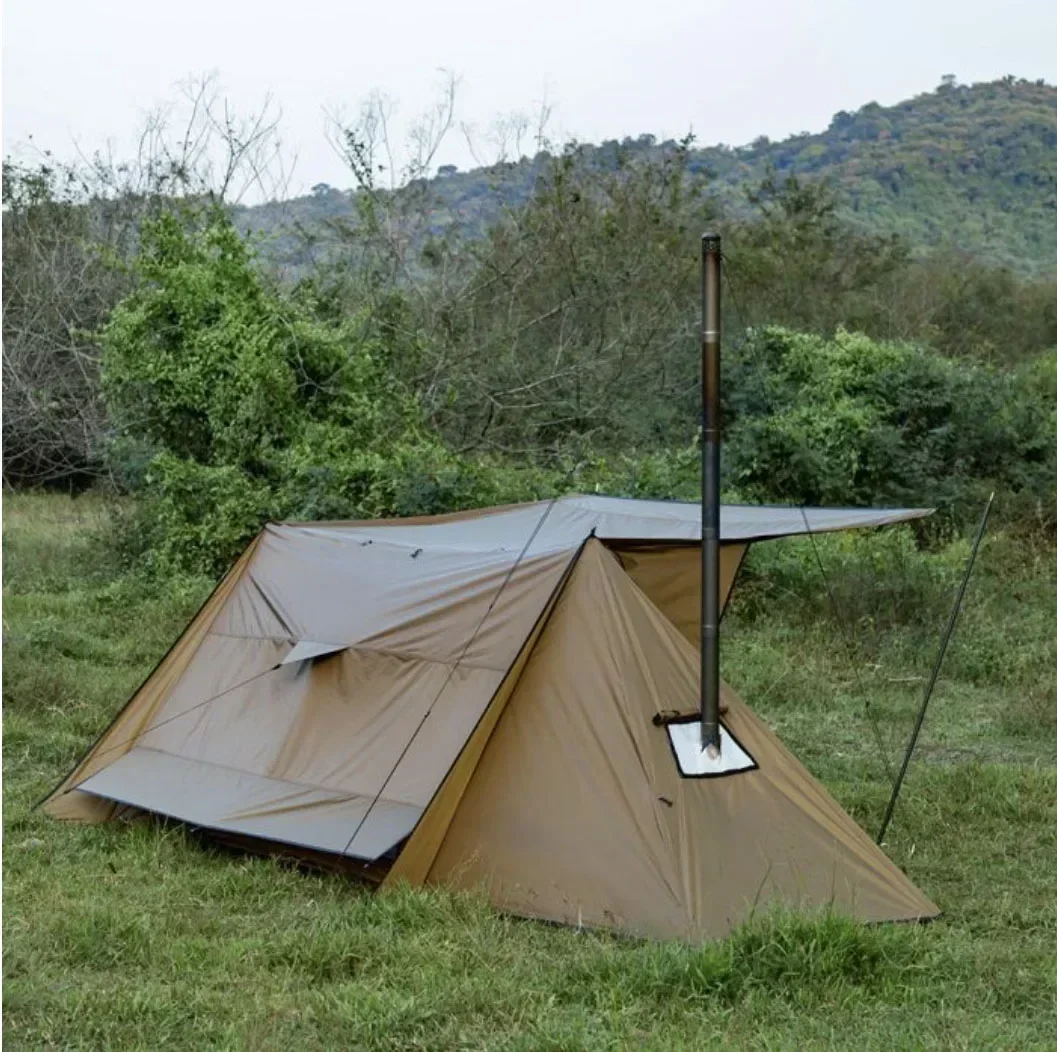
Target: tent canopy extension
486,698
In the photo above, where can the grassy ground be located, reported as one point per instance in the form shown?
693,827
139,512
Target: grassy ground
124,937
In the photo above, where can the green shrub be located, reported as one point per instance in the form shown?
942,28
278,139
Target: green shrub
234,404
234,401
851,420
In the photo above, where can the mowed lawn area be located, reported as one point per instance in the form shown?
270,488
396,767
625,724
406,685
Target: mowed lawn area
143,936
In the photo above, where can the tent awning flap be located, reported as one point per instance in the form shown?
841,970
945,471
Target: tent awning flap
221,798
569,520
307,648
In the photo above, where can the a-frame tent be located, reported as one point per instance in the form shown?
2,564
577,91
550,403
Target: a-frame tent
497,698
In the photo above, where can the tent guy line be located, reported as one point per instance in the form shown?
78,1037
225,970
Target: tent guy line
948,631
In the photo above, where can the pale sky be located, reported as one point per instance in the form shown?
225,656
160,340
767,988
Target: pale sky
87,71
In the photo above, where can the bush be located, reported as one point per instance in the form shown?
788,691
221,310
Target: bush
236,403
856,421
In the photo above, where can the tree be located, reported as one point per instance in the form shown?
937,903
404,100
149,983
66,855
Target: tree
797,263
58,284
71,236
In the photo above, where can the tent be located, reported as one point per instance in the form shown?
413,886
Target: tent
502,698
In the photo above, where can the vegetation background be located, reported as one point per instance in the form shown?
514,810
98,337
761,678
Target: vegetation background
182,368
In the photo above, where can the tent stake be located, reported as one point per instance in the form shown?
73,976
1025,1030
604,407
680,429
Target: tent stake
947,632
710,439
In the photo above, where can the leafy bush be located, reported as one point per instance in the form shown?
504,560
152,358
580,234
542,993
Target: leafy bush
851,420
206,361
236,402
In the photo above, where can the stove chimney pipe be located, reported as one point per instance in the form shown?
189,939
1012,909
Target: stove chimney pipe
710,439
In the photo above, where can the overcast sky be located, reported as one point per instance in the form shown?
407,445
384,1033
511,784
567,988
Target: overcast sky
87,71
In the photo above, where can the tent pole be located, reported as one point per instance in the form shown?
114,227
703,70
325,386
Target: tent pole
710,438
937,665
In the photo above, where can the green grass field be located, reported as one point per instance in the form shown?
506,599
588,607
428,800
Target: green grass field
139,936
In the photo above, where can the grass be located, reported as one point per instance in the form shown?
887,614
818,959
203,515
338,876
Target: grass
144,937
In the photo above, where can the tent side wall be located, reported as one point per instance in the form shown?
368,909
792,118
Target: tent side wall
578,812
69,803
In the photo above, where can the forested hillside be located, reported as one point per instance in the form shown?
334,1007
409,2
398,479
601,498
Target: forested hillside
973,167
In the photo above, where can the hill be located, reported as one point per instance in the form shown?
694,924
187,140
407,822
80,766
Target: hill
975,166
972,166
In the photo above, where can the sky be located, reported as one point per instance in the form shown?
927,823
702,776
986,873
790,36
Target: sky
81,74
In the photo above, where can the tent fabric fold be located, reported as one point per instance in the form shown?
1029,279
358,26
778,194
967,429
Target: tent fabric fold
470,700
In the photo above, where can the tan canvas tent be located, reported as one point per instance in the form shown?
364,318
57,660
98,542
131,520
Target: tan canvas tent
503,697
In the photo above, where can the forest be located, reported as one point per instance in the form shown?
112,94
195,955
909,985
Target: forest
968,167
153,345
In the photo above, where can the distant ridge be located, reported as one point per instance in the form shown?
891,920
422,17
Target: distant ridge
972,166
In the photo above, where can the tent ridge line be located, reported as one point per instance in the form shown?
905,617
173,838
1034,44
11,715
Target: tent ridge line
417,520
359,541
